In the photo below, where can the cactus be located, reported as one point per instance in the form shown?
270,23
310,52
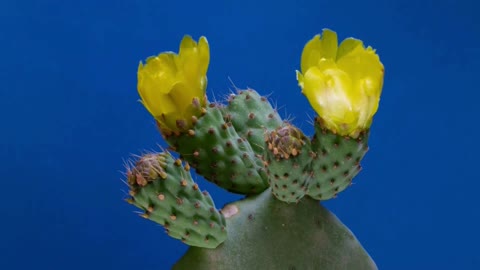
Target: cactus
245,147
165,191
288,159
214,148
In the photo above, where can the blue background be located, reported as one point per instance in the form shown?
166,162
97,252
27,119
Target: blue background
70,117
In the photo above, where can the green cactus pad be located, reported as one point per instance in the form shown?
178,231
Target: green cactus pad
219,154
252,115
287,158
165,191
265,233
337,161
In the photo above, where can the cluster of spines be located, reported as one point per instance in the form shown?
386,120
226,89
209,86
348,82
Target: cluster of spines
287,159
163,188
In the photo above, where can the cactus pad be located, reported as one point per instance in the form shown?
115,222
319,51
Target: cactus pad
252,115
218,153
337,161
165,191
287,159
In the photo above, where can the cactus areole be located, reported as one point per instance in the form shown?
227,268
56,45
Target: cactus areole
243,146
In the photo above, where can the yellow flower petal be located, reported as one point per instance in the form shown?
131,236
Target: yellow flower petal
203,54
181,96
311,53
329,44
187,43
366,71
348,45
168,83
193,59
343,84
362,64
318,48
325,91
152,86
300,79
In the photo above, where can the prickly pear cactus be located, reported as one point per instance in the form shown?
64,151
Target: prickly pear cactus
164,189
244,146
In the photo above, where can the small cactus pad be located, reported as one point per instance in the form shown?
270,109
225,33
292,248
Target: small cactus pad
163,188
219,154
251,115
337,161
287,159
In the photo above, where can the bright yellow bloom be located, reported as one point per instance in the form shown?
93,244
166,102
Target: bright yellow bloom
172,86
342,83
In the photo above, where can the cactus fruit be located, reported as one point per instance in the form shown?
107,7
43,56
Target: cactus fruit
246,148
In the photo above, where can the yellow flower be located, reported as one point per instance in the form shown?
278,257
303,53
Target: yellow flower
342,83
172,86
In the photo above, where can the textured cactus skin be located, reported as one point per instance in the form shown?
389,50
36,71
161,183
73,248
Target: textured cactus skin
165,191
217,152
252,116
336,162
265,233
287,159
246,148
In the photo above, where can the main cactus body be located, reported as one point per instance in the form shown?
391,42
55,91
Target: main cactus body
265,233
244,146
